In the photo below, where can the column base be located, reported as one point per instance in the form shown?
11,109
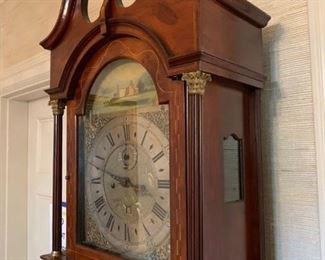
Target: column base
55,256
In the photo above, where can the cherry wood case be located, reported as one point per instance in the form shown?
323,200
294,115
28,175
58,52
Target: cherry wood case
171,38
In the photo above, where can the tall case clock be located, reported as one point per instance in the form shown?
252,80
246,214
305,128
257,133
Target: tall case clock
163,156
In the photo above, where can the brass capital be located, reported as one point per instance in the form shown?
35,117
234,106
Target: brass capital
58,106
196,82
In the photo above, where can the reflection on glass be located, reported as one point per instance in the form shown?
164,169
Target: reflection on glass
232,169
125,165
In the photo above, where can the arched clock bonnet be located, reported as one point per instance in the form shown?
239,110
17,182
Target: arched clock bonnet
161,97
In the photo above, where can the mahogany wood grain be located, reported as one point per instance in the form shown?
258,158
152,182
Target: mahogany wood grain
247,11
176,28
194,176
231,230
224,223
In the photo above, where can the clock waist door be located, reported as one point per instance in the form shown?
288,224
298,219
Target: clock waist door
230,194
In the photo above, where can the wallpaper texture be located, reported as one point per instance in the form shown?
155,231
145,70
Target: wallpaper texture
290,182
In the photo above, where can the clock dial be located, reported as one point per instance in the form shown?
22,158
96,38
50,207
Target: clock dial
128,184
124,166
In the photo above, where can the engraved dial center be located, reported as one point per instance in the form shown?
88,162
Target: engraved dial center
132,196
128,184
128,157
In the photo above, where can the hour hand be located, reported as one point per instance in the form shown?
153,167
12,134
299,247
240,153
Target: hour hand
139,189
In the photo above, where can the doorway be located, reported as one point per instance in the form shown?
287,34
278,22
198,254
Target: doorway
40,161
26,137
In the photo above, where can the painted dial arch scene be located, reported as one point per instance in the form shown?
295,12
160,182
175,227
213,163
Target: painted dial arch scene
125,165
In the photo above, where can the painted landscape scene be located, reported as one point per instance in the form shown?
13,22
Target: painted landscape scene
122,85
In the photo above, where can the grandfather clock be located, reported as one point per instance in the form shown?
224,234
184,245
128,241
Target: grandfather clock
162,101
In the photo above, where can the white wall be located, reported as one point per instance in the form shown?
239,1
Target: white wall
289,153
25,23
17,177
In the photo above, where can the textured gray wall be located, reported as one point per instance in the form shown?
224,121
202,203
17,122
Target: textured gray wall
291,201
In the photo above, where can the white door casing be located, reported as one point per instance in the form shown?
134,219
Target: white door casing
13,173
18,85
40,125
40,161
19,169
40,144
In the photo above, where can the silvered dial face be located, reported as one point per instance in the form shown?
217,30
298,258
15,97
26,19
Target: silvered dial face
128,185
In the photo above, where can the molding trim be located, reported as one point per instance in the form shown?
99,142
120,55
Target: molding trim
317,41
247,11
22,82
23,79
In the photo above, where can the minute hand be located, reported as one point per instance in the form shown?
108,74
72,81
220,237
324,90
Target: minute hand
124,181
139,189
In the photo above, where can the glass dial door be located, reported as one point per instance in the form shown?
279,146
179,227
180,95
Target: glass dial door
124,180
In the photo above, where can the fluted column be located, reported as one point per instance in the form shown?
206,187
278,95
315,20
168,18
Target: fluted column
195,85
58,111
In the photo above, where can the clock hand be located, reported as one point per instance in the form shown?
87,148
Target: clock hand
124,181
135,186
142,189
